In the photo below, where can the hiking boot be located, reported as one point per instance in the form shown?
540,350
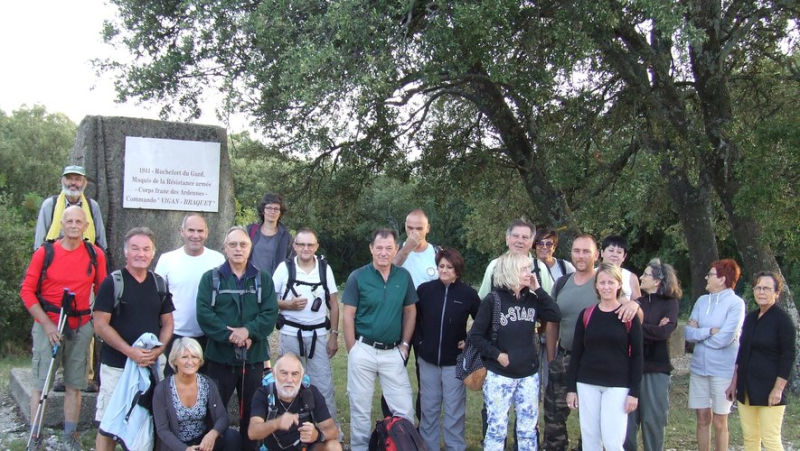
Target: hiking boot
59,386
71,442
91,387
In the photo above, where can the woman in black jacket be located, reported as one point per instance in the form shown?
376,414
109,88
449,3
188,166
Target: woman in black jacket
442,311
766,355
659,306
188,411
510,354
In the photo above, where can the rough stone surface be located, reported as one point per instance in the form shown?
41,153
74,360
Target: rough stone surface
20,388
100,148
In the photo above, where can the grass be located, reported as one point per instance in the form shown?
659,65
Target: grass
680,429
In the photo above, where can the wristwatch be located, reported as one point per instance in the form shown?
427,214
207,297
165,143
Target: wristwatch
320,435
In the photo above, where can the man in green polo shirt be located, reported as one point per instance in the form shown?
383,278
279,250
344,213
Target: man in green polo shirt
379,317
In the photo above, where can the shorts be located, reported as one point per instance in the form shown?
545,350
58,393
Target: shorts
72,354
109,378
709,392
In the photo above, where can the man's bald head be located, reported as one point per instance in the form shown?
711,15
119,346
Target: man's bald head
417,226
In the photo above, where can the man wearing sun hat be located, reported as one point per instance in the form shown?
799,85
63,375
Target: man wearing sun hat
48,226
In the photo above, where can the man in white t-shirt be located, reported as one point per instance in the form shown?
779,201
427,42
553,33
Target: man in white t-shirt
182,269
417,255
305,297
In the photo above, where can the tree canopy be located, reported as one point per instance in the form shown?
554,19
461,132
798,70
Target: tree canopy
645,117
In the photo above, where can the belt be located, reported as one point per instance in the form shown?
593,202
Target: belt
377,344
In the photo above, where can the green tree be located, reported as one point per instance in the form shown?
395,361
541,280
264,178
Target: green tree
34,146
565,94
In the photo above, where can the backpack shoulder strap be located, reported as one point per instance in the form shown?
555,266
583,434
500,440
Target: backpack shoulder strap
161,286
537,272
560,283
119,287
252,230
563,265
92,256
214,286
53,205
49,252
587,315
291,270
323,278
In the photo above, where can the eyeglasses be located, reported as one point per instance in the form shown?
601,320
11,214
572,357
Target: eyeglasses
648,275
240,244
711,274
547,244
273,209
763,289
305,245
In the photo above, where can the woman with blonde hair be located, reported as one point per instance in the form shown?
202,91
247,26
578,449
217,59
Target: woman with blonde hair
605,369
508,350
187,408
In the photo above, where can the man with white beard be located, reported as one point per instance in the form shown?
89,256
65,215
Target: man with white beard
48,225
290,413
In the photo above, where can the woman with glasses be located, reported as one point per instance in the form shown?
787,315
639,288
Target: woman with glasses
271,239
187,408
444,306
659,303
510,360
546,242
714,327
765,359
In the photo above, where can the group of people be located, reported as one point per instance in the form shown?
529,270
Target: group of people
581,335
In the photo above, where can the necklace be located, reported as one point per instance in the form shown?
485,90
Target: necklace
285,407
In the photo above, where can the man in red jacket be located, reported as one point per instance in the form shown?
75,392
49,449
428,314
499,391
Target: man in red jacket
79,267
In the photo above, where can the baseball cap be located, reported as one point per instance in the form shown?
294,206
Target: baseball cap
74,170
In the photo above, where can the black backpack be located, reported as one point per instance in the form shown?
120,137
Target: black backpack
119,288
291,268
395,434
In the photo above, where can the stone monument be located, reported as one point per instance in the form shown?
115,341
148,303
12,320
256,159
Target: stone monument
101,145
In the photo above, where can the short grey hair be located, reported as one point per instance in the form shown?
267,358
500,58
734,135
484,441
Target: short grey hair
181,344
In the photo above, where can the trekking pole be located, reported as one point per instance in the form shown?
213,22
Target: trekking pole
244,367
36,421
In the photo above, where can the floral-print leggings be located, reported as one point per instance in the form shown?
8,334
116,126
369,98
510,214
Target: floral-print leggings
499,392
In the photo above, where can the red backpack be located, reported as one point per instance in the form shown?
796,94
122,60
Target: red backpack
395,434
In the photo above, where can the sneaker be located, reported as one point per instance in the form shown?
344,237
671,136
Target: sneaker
72,442
59,386
91,387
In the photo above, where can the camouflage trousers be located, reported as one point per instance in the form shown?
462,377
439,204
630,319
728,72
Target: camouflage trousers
555,405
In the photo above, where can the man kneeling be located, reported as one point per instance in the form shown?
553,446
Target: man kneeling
291,415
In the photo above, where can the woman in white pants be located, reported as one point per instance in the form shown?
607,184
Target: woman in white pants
605,370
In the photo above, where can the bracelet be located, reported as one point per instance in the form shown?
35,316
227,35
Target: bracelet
320,435
334,332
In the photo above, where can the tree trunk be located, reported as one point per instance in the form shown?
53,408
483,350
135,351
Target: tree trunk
693,205
718,159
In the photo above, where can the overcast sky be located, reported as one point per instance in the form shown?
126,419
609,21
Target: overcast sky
45,52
